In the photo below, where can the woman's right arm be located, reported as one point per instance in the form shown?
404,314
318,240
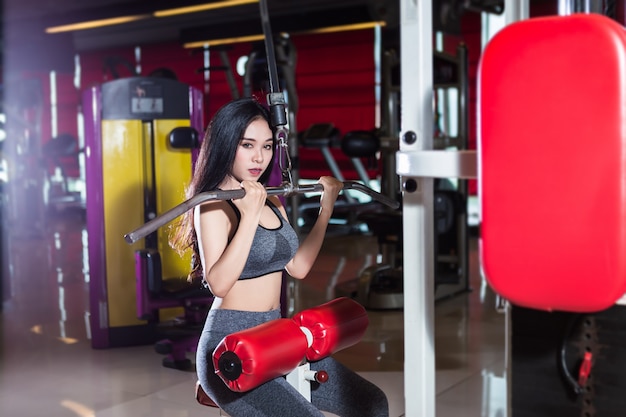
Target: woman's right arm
223,261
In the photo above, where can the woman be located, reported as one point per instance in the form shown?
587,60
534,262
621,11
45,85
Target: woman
240,249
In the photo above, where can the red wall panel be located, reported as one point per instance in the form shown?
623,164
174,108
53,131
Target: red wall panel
335,80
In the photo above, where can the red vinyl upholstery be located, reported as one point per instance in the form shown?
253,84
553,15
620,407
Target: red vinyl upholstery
265,352
552,162
277,347
335,325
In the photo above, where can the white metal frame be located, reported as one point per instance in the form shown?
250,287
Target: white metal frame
417,164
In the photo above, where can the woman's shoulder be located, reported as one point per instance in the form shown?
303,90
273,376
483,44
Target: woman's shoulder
218,209
215,220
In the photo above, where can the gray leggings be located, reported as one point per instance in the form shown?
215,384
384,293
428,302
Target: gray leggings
345,394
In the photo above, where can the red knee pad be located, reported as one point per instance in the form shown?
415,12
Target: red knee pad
335,325
246,359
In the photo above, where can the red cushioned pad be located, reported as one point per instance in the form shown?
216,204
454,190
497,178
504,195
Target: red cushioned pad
552,162
335,325
266,351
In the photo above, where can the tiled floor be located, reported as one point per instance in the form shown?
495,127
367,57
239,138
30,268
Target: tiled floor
48,367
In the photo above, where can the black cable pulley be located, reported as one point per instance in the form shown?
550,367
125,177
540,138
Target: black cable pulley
275,98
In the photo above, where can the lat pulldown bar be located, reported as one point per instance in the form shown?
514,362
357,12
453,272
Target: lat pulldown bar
285,189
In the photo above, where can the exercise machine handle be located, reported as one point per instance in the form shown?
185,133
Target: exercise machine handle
285,189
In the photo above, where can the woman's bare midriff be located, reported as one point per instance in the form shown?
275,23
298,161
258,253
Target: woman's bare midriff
254,294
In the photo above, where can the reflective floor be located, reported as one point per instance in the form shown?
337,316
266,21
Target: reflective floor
48,367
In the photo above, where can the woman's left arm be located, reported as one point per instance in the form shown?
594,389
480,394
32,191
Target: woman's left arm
309,249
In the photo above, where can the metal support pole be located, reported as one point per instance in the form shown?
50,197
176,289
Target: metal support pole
417,135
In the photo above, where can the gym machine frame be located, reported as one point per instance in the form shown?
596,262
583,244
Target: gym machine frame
418,164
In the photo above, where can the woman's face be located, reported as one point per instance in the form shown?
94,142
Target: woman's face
254,152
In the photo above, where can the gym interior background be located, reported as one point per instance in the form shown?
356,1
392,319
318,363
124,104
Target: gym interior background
347,79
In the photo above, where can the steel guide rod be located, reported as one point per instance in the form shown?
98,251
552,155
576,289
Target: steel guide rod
285,189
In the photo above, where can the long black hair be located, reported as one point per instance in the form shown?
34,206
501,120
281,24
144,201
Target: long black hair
215,162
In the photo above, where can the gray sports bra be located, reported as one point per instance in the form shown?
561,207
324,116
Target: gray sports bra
271,249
